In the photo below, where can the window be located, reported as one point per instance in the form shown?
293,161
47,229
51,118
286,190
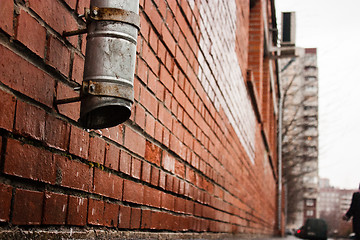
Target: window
310,213
310,202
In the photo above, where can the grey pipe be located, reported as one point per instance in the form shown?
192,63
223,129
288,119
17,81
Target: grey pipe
108,88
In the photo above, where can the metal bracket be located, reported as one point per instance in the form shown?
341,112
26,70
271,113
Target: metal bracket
69,100
113,14
108,89
106,14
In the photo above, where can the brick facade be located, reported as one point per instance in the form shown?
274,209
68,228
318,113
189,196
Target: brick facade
194,156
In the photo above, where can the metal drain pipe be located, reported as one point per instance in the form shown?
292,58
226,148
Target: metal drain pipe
107,91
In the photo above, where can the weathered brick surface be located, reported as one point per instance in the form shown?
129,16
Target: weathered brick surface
192,157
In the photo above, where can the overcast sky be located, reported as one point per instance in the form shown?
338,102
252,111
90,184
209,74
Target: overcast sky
333,27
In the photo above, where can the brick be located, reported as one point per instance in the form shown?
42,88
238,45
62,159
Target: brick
152,197
111,214
154,16
135,168
145,172
146,219
114,133
77,211
133,192
167,201
140,116
55,208
162,179
22,76
63,20
58,56
124,217
180,205
149,101
135,218
74,174
30,121
70,110
81,5
7,13
150,125
31,33
112,155
79,142
30,162
97,150
150,58
155,175
5,202
78,68
168,162
125,163
153,153
57,133
28,207
165,117
134,142
95,212
168,40
71,3
107,184
153,40
169,183
7,110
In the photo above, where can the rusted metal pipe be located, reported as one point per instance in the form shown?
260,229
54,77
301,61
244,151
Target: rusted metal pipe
108,85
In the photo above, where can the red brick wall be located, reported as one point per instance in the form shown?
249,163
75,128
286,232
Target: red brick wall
192,157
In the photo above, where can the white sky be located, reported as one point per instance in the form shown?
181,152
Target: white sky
333,27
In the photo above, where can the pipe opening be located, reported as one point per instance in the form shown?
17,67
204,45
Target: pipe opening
106,115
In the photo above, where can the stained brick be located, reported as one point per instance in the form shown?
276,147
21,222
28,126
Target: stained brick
112,154
77,211
28,207
24,77
7,13
7,110
70,110
30,120
74,174
30,162
97,150
59,56
31,33
95,212
107,184
153,153
5,202
124,217
63,20
55,208
79,142
136,168
57,133
125,162
111,214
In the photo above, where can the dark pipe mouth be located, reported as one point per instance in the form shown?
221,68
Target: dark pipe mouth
105,117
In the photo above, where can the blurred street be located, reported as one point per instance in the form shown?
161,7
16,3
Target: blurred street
293,238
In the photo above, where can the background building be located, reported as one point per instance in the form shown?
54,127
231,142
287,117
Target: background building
299,83
198,154
333,203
